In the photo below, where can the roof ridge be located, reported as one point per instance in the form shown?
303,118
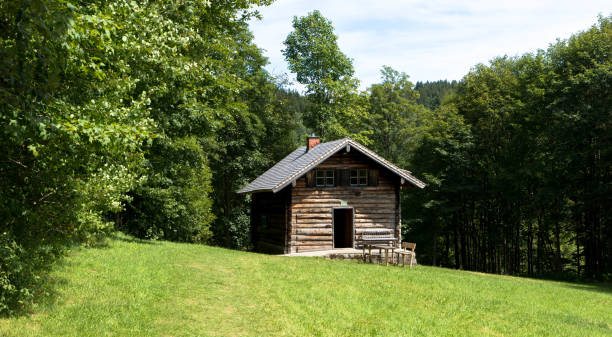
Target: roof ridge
300,161
326,155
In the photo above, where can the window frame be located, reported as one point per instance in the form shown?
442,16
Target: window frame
328,176
360,179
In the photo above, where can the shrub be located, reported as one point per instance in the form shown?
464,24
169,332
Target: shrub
21,272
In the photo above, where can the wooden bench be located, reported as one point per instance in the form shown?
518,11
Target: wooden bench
383,236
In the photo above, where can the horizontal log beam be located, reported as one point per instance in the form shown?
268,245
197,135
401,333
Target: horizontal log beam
313,231
309,225
382,186
375,216
388,220
345,196
373,225
300,244
309,220
313,248
299,238
326,211
343,192
365,203
320,210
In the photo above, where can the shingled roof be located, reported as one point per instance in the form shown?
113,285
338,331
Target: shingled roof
300,161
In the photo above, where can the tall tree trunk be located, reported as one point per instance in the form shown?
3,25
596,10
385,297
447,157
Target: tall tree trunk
456,239
506,254
558,267
435,241
540,254
464,253
530,249
447,244
517,247
577,252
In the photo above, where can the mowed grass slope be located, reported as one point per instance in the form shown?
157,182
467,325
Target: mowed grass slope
133,288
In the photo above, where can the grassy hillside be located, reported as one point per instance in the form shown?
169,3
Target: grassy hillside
133,288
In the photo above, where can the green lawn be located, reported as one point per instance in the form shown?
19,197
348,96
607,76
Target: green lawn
132,288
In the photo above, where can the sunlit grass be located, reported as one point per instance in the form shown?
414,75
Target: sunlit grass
134,288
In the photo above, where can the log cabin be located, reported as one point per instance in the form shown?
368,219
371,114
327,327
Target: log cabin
325,196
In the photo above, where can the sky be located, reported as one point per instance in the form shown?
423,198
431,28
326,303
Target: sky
427,39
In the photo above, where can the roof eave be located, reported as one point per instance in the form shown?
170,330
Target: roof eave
343,143
347,141
310,166
242,191
414,181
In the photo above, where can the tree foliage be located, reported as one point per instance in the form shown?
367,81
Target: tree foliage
526,193
199,73
73,128
313,54
149,116
433,94
395,116
337,109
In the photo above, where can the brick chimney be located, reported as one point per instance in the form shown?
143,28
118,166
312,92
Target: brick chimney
313,141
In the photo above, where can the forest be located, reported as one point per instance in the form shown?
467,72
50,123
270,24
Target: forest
147,117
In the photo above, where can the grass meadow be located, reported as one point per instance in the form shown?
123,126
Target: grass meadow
130,287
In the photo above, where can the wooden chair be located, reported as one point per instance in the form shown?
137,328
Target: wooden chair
407,249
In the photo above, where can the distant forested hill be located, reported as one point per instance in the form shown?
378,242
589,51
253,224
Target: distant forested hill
433,93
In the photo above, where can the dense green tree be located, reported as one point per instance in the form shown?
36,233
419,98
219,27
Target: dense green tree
394,116
442,160
210,114
527,195
337,109
579,136
85,87
72,134
173,203
314,56
433,94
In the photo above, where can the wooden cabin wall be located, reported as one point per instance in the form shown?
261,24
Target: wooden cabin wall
311,210
271,236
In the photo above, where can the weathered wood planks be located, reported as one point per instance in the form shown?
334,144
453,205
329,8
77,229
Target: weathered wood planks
300,218
312,207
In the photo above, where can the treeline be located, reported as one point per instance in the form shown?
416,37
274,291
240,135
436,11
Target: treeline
519,165
146,117
433,94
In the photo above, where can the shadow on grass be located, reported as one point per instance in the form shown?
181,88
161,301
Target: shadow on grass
45,289
45,294
48,293
104,242
602,287
568,280
574,281
130,239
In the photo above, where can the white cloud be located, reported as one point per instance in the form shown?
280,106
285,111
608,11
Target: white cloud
429,40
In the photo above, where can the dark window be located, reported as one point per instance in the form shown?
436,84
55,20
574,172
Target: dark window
359,177
325,178
264,221
320,178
